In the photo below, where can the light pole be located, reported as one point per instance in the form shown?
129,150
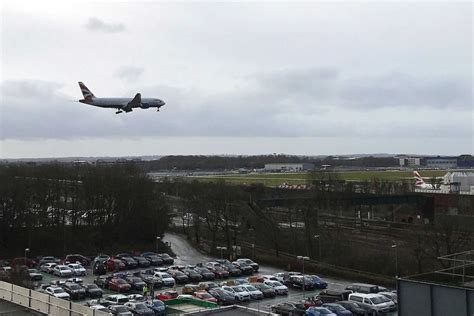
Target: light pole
158,238
318,237
302,258
221,249
26,251
395,246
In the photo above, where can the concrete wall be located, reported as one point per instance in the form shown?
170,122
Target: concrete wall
429,299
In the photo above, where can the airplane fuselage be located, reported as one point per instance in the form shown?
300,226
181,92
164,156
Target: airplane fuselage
119,103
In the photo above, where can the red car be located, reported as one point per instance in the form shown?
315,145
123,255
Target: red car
77,258
167,295
219,272
115,265
202,295
118,285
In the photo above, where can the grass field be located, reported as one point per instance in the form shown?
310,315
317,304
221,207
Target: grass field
274,179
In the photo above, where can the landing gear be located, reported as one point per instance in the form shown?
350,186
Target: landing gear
157,110
118,112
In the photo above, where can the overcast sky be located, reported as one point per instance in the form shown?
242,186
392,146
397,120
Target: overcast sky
238,78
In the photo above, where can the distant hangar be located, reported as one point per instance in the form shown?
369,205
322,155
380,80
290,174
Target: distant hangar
288,167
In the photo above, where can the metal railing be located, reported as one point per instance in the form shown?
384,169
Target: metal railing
44,303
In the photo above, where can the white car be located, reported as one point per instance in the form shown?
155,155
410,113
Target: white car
255,294
47,267
62,271
376,303
77,269
117,299
166,278
280,289
136,298
240,294
271,277
57,292
280,276
100,308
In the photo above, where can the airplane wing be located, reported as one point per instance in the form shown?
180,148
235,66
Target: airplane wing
135,103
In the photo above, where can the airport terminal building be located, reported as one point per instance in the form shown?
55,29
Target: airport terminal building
288,167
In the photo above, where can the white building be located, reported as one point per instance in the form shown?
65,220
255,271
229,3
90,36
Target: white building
462,182
410,162
289,167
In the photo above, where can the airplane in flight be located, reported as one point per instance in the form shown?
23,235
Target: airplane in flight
121,104
421,184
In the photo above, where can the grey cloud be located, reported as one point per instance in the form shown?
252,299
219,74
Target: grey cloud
321,102
129,73
95,24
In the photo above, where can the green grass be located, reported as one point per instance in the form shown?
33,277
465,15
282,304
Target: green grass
274,179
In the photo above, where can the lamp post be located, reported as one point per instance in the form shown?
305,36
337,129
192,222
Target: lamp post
395,246
158,238
26,251
303,258
318,237
221,249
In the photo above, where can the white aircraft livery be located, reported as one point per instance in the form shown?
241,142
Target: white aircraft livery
121,104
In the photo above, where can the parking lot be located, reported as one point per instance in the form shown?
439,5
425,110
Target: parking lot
186,255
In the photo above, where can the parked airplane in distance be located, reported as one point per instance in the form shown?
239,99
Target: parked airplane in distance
121,104
420,183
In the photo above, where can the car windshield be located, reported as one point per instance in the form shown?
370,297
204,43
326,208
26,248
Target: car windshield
299,305
324,311
276,283
120,281
64,268
92,286
238,289
158,303
140,306
32,271
251,288
337,307
121,309
58,291
205,295
379,299
165,275
74,287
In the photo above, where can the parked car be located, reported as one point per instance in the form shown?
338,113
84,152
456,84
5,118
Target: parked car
75,291
189,289
232,269
48,267
317,281
165,278
120,310
100,308
76,258
127,259
115,265
116,299
244,267
142,261
390,295
62,271
353,307
298,281
139,308
267,291
75,280
48,259
153,258
93,291
289,308
311,301
205,273
57,292
364,288
249,262
206,286
219,272
223,297
203,295
102,281
319,311
157,306
77,269
101,258
337,309
255,294
279,288
331,296
373,303
193,275
35,275
167,259
150,280
119,285
240,294
136,283
99,268
167,295
180,277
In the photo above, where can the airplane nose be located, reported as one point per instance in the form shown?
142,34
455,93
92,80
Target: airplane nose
162,103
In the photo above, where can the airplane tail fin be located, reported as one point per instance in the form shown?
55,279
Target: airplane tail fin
88,95
418,179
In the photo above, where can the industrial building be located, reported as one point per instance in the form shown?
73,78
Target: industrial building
440,162
461,182
410,162
288,167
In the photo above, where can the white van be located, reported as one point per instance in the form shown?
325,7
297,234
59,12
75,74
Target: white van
375,303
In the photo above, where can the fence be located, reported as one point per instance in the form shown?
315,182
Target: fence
44,303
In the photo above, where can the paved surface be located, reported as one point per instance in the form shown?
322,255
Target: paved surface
10,309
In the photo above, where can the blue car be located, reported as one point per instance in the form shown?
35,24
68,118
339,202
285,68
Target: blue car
337,309
319,311
157,306
318,282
